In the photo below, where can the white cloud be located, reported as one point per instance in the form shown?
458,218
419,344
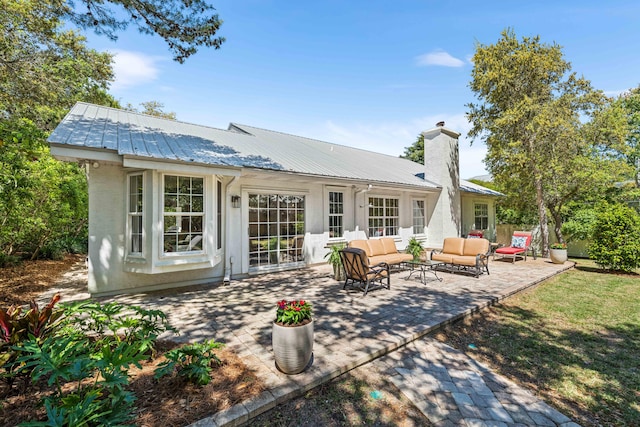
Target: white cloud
133,69
393,137
439,58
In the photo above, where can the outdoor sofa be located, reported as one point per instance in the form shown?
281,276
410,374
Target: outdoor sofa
466,255
381,250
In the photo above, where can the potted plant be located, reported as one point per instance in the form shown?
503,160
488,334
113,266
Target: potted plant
333,258
292,336
558,253
414,248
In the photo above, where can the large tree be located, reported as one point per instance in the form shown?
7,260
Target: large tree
44,69
183,24
630,104
543,125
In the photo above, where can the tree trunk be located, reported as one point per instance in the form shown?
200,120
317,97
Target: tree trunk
542,215
557,226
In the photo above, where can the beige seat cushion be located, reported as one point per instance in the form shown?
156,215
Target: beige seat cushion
375,248
360,244
453,246
448,258
473,247
389,245
464,260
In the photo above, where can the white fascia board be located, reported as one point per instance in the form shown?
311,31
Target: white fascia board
137,163
73,154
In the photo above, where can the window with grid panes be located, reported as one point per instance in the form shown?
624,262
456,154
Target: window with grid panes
336,213
481,216
419,220
384,216
183,213
135,212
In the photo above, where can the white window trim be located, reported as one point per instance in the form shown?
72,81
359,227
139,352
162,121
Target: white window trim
208,230
424,228
473,224
129,254
327,216
368,217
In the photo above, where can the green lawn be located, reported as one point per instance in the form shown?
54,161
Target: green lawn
574,339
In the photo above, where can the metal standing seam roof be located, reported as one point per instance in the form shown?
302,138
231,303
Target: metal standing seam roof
139,135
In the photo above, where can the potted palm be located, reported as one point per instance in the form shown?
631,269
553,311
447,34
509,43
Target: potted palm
333,258
558,253
414,247
292,336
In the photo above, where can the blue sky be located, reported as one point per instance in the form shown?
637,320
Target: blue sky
368,74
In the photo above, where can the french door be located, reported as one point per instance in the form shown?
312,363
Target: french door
276,229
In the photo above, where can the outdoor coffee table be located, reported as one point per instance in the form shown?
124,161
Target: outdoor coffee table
423,266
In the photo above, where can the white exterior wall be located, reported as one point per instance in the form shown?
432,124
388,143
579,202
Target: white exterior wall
468,200
442,167
111,270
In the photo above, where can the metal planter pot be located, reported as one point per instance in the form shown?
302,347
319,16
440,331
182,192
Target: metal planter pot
292,347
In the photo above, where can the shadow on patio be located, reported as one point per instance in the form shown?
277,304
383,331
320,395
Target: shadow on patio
350,329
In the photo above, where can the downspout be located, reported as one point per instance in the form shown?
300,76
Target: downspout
355,202
228,261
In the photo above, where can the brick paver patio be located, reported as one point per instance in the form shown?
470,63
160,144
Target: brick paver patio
351,330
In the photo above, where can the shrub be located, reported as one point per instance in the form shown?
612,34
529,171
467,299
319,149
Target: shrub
615,238
192,361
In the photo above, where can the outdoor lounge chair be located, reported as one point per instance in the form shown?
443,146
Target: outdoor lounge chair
520,245
359,272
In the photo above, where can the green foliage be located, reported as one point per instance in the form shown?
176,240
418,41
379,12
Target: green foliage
74,359
333,256
84,351
184,25
44,70
293,312
117,322
630,104
580,224
193,362
415,152
551,137
414,247
152,108
18,326
615,240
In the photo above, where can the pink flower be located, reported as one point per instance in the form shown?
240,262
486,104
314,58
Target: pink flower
282,304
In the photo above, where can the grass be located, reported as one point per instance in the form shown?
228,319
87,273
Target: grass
361,397
575,340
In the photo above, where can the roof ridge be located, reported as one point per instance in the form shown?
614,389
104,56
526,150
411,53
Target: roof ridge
316,140
153,117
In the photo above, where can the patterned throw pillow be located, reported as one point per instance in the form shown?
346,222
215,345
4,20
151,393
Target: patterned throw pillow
518,241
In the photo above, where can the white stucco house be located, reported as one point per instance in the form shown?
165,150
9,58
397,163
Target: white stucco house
174,204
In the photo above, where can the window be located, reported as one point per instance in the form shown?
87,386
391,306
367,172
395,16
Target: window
134,214
481,216
383,217
336,213
183,213
276,229
418,216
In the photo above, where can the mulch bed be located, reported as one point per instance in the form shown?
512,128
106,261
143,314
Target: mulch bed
169,401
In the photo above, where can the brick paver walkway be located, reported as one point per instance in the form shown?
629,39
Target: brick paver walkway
351,330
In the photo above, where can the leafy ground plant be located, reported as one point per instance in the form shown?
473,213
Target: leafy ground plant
192,361
574,340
